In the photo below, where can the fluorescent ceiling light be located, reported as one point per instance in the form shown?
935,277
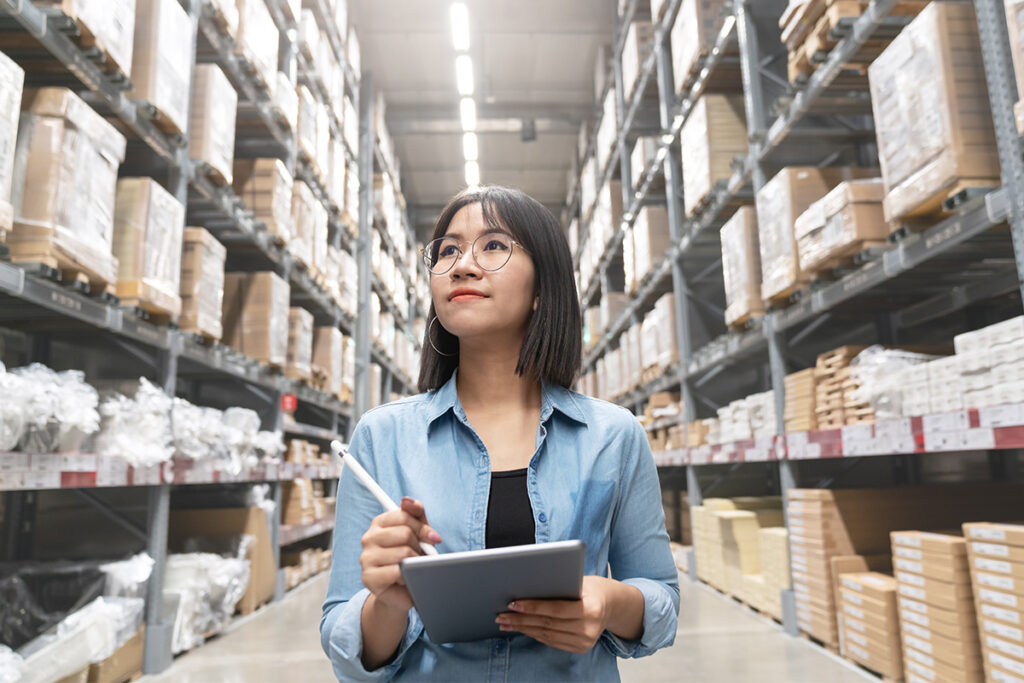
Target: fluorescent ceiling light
467,112
472,173
460,26
470,148
464,75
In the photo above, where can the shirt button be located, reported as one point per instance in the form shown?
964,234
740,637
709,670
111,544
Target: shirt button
542,517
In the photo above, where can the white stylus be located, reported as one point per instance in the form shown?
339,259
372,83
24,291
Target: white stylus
372,486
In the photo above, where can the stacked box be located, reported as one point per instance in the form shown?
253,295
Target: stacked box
937,616
929,96
651,239
202,284
991,364
105,24
148,227
162,60
328,350
637,49
65,185
12,78
257,41
873,639
774,543
996,556
266,188
297,505
832,377
255,316
713,135
801,391
741,552
837,227
779,203
212,124
304,222
285,101
741,267
696,434
693,35
307,129
300,344
710,528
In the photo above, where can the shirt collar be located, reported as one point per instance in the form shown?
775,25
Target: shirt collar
553,397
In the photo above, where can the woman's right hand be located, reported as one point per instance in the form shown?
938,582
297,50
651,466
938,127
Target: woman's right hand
392,537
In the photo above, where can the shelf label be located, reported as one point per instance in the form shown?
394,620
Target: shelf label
289,402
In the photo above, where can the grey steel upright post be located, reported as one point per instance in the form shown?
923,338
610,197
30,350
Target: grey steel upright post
366,151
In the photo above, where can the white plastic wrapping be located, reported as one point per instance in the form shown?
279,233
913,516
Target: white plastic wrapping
636,51
212,121
11,665
877,372
59,409
204,588
128,578
137,429
12,413
12,78
300,343
110,23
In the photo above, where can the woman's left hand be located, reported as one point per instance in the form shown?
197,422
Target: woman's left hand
572,625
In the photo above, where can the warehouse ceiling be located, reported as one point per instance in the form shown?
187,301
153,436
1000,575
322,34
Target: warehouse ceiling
533,61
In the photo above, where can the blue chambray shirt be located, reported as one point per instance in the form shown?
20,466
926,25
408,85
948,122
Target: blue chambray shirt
591,478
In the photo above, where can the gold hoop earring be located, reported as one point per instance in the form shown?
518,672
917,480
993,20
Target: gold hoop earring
431,341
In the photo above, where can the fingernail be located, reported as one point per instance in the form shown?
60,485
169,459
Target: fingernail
515,606
434,537
501,620
504,628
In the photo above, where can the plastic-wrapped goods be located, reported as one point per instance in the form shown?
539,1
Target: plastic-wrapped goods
651,240
350,214
352,52
327,356
336,167
256,316
12,413
607,131
59,409
741,267
842,223
227,15
197,431
137,429
65,184
300,344
318,243
266,188
668,344
307,130
779,203
304,205
212,124
376,385
636,51
257,40
348,367
694,33
148,227
202,283
932,119
12,78
714,134
127,578
872,371
204,588
349,282
162,60
11,665
309,34
36,598
110,24
286,101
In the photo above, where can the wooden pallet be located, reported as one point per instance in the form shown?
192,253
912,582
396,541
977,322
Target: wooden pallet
298,372
158,306
783,297
201,336
933,210
744,320
53,262
831,647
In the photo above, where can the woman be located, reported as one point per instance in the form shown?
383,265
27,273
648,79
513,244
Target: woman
498,451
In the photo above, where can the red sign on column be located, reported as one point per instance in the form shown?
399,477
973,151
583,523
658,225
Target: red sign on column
289,402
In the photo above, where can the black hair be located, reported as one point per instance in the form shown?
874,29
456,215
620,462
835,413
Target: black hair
553,345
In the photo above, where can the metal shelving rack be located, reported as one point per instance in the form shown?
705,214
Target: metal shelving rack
958,263
176,361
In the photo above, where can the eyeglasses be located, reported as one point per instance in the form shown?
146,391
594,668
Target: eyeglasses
491,251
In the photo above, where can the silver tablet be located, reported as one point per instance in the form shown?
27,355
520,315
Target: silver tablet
458,595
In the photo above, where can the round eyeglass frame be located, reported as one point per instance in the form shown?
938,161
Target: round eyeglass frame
472,250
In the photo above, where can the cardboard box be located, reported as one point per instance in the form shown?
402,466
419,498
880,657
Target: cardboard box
989,565
950,572
940,673
300,344
108,25
202,284
255,316
162,60
212,123
258,40
233,522
1006,534
637,48
948,544
304,219
741,268
932,72
65,185
694,33
713,135
845,221
266,188
327,356
12,78
651,240
124,664
149,224
931,616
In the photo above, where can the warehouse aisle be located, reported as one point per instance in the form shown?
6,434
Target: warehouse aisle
718,642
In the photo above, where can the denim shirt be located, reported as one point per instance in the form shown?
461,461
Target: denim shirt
592,477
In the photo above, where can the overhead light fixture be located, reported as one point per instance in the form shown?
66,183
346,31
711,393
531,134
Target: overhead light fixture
464,75
470,146
467,112
460,26
472,173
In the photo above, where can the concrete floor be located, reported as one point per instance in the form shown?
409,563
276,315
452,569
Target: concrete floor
717,641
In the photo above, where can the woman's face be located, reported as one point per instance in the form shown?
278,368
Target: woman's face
473,302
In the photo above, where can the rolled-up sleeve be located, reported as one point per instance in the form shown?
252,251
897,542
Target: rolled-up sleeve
639,552
340,625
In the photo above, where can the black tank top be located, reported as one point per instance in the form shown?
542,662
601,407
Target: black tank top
509,513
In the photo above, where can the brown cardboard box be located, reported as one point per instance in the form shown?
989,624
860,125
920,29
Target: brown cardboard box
123,664
993,644
300,344
940,672
1003,631
230,522
839,225
997,551
990,565
256,316
1008,534
162,60
149,224
961,654
297,502
926,614
327,356
713,135
65,185
109,25
884,662
1001,614
12,79
651,240
637,48
266,188
202,284
741,269
996,661
999,582
212,121
932,71
921,626
933,566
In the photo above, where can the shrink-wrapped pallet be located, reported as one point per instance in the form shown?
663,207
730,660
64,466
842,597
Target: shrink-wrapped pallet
212,124
932,119
108,25
844,222
162,60
265,186
328,350
148,227
300,344
202,284
714,134
650,240
257,41
12,78
741,267
65,183
304,210
693,35
255,316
